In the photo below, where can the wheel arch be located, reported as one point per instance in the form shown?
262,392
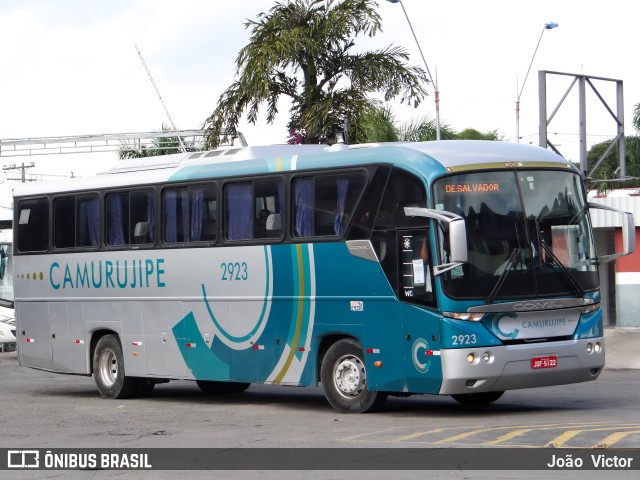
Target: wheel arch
95,338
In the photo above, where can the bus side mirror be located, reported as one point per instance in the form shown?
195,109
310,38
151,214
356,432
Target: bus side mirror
628,232
458,241
457,235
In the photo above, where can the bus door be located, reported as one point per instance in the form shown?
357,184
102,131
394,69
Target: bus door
420,320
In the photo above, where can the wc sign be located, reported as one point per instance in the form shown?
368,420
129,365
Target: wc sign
23,459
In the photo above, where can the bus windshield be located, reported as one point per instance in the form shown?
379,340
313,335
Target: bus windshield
528,234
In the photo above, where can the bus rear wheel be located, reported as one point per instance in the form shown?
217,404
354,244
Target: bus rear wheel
212,388
344,380
108,369
477,399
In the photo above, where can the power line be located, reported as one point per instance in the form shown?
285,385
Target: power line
22,168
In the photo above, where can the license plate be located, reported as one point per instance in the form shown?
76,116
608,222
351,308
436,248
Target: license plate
550,361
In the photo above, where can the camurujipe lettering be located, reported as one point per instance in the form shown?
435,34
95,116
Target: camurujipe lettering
120,274
548,322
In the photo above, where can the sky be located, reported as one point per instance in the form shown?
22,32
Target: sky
69,67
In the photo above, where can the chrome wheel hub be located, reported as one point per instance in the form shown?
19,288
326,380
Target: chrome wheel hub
349,376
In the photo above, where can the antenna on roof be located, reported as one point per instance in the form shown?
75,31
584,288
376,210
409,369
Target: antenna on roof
161,101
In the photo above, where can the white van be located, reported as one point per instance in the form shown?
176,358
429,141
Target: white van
7,315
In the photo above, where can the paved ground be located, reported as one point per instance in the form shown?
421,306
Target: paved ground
622,347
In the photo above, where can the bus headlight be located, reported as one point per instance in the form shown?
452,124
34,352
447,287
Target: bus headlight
594,347
472,317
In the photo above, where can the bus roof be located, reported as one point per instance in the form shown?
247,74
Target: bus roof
436,156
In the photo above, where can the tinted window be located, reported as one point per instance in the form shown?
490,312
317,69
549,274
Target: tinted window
254,210
403,190
323,204
33,225
190,214
76,222
130,218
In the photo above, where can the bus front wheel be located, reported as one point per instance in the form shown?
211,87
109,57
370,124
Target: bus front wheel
344,379
108,369
477,399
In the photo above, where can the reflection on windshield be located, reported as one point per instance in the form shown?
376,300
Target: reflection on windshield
541,214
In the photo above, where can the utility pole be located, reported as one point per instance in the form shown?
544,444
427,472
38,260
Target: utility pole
22,168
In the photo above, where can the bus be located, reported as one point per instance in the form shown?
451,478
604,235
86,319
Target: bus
461,268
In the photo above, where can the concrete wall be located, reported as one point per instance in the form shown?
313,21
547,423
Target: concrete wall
628,284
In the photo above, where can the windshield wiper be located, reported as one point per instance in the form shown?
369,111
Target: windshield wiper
512,261
562,268
557,261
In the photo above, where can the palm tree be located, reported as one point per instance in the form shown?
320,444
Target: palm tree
377,125
158,146
303,49
423,129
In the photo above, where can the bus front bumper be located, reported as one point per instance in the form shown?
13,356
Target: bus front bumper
475,370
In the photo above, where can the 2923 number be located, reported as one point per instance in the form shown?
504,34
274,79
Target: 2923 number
234,271
464,339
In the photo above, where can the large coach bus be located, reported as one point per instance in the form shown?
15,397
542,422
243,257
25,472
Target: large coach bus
459,268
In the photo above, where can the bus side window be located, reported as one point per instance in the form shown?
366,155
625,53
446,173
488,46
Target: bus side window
268,208
403,190
131,218
76,221
189,214
33,225
117,205
238,211
324,204
303,207
254,210
142,225
87,221
64,222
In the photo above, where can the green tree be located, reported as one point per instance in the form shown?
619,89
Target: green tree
378,125
157,146
473,134
608,169
381,126
423,129
636,117
304,50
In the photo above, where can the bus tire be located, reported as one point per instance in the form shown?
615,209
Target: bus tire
212,388
344,379
477,399
108,369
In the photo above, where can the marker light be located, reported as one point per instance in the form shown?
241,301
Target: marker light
471,358
472,317
598,347
590,308
589,347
